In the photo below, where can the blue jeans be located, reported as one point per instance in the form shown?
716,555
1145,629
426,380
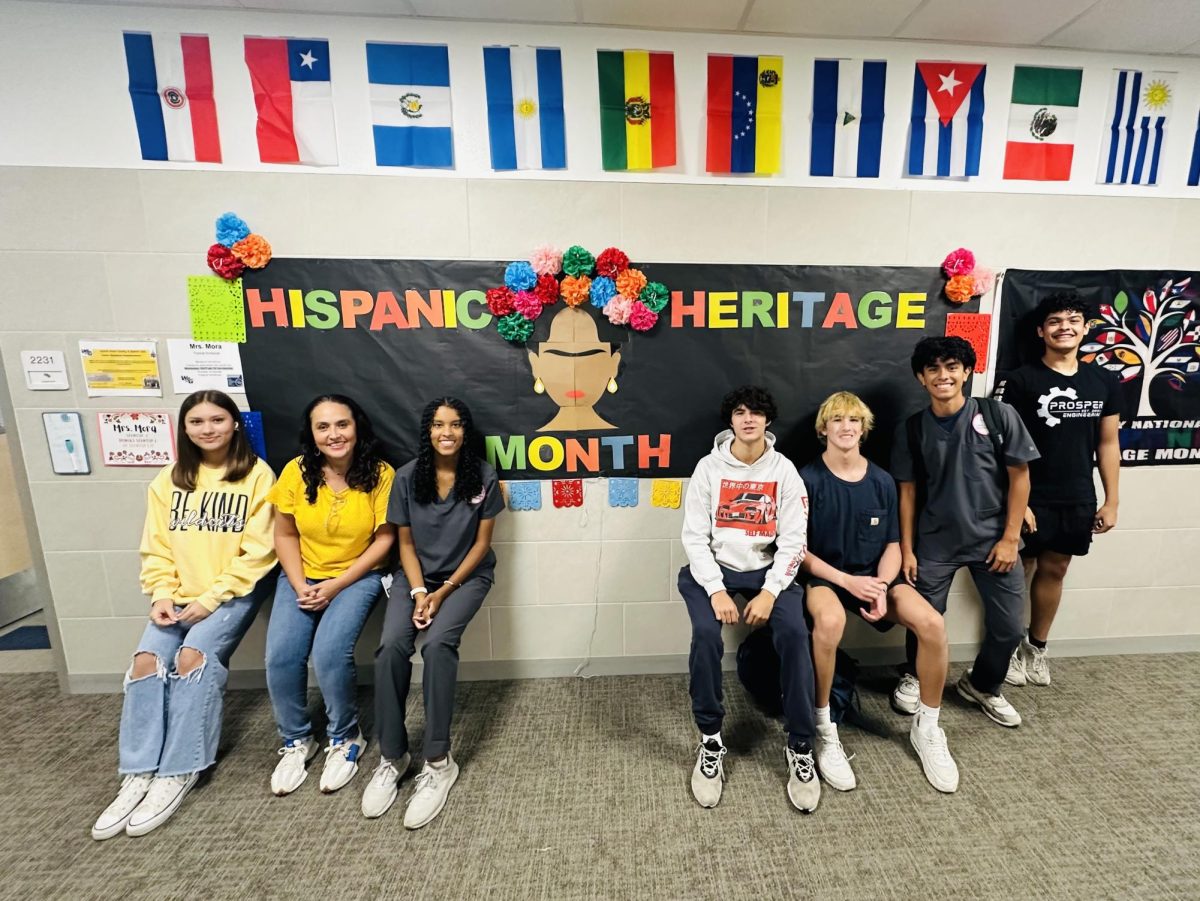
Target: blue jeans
171,724
329,637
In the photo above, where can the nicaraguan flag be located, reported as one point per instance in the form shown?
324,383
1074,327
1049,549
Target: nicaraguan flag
293,93
847,117
1138,108
526,126
946,136
410,104
171,85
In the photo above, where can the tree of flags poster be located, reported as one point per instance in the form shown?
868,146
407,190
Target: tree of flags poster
171,87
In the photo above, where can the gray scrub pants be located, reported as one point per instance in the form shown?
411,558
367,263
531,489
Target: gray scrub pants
393,663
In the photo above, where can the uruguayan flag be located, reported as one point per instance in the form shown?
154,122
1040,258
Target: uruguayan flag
1138,108
525,107
847,117
410,104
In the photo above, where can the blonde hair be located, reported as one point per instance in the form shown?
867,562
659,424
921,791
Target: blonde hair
843,403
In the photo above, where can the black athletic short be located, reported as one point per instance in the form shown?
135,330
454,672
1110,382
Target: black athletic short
850,602
1062,528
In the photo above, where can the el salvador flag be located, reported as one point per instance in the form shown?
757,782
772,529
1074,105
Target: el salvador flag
171,85
525,107
410,104
847,117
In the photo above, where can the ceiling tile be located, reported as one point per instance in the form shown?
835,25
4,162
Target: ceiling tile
844,18
1139,26
345,7
493,11
1021,22
702,15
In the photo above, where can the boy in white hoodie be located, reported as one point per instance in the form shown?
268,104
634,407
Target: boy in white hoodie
744,531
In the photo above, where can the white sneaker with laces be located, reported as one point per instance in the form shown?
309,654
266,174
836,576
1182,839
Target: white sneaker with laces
995,706
907,696
708,775
1036,661
1016,674
381,791
804,788
116,815
341,762
162,800
430,791
930,744
832,762
291,771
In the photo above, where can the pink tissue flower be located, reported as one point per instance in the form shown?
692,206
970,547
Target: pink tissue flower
958,262
619,309
527,304
641,317
984,279
546,260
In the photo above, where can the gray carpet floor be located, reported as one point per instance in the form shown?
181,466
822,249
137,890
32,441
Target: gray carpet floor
578,789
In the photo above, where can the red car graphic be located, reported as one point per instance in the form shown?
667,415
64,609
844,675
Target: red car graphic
749,506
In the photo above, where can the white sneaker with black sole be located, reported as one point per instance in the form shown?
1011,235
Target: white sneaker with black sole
708,775
383,787
804,788
997,709
430,791
1036,662
832,762
292,769
341,762
906,698
930,744
116,815
162,800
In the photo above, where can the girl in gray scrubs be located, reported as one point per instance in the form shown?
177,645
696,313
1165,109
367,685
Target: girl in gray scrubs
445,504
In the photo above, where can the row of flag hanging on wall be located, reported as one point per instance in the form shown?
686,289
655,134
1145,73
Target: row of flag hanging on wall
171,85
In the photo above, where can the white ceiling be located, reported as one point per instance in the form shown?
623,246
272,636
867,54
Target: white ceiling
1136,26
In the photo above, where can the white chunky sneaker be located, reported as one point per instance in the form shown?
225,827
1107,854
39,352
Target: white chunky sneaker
995,706
430,791
907,696
832,762
162,800
930,744
1016,674
341,762
804,788
1036,661
116,815
291,771
381,791
708,775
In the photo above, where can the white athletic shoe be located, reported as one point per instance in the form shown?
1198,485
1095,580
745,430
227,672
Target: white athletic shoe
116,815
1036,661
430,791
162,800
832,762
930,745
907,696
1016,674
381,791
708,775
804,788
291,771
995,706
341,762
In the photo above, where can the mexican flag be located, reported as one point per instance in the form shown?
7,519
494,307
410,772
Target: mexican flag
637,109
1041,123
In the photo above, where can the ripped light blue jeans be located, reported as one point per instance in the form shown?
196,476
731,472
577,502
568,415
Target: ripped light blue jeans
171,724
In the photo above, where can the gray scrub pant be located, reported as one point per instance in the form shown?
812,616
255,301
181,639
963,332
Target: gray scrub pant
393,663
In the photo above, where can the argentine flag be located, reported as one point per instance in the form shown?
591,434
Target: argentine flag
526,127
410,104
847,117
946,135
1138,108
171,86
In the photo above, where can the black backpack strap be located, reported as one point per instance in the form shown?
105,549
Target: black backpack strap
913,426
994,420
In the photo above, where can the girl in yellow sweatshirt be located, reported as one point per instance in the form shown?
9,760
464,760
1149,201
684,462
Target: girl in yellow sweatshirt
206,549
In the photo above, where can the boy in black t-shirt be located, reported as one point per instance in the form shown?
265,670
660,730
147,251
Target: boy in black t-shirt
1072,409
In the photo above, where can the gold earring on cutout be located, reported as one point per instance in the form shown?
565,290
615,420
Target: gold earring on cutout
538,387
612,386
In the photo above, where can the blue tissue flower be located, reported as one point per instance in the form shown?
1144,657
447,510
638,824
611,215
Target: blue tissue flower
231,228
519,276
603,290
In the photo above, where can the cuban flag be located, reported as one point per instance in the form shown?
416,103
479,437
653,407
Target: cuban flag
847,117
526,126
293,93
171,85
1139,105
410,104
946,136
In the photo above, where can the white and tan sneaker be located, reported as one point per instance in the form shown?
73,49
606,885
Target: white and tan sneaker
430,791
930,744
383,787
997,709
341,762
292,769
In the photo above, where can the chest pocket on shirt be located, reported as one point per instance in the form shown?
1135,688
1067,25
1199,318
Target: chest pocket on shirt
979,460
872,530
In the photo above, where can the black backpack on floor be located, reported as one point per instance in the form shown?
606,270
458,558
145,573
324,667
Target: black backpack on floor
758,670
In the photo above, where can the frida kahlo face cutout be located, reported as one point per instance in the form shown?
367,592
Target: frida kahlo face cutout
575,367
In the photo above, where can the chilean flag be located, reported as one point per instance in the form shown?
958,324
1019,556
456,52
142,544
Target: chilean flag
294,96
171,85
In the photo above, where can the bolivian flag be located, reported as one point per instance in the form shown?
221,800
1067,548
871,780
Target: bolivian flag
637,109
745,113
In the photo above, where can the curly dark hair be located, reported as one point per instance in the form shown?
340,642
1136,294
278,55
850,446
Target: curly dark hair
1061,302
938,349
468,476
363,474
753,398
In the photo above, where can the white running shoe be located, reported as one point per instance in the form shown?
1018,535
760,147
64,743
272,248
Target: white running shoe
291,771
930,745
804,788
162,800
907,696
832,762
1016,674
708,775
995,706
341,762
116,815
430,791
1036,662
381,791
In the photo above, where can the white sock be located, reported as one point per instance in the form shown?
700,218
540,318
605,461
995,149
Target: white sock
823,716
716,736
927,717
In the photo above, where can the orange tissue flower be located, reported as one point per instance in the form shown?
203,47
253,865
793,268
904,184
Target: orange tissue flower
575,289
253,250
960,288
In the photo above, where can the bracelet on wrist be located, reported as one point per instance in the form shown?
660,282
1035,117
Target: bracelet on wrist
420,589
452,583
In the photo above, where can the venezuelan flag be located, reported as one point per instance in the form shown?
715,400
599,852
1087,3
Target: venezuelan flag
637,109
745,114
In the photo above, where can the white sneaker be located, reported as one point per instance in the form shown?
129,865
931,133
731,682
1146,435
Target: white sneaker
291,771
1036,661
708,775
163,799
832,762
995,706
380,793
930,745
1016,674
341,762
907,696
804,788
116,815
429,794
